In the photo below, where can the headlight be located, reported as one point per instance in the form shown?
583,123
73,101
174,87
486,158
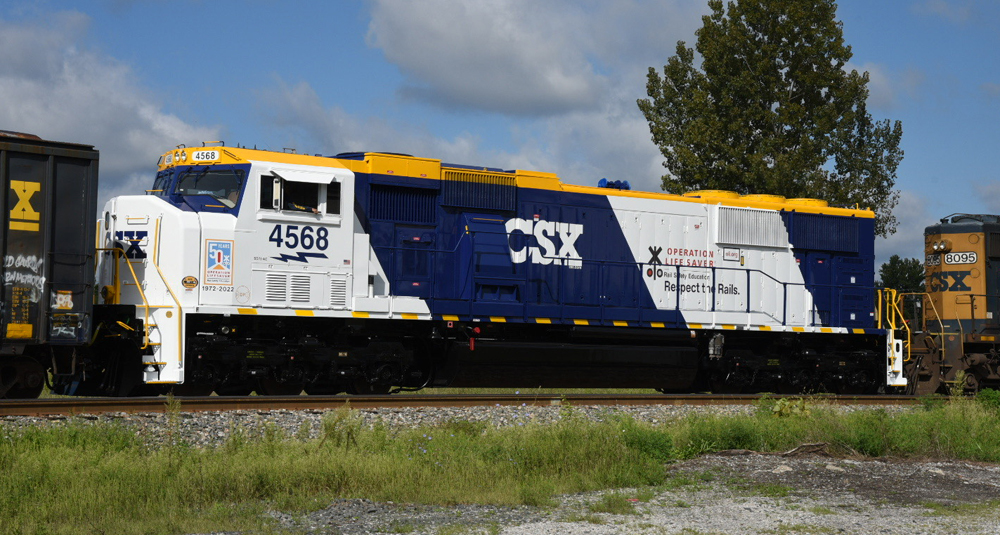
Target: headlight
184,156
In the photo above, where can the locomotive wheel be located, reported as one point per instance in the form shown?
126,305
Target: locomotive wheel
380,383
270,387
30,379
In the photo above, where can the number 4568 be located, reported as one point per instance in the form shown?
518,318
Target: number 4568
294,237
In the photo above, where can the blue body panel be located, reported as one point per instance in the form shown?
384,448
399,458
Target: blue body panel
459,258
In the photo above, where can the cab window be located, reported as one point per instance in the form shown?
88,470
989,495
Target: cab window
279,194
223,185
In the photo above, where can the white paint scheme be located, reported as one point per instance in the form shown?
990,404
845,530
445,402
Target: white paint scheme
176,246
894,369
687,235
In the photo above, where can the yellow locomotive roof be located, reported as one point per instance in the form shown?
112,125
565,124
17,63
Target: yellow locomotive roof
432,169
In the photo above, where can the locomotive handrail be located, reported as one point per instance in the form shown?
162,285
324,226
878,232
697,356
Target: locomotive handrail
177,303
118,252
925,298
604,265
892,312
972,305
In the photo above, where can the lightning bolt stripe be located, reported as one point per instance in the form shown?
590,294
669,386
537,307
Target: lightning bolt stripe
298,257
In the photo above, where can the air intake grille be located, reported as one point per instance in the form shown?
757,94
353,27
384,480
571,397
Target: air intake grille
276,287
748,226
300,288
479,190
338,293
825,233
408,205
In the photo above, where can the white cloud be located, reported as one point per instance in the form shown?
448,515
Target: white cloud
521,57
886,88
957,12
510,56
908,241
54,89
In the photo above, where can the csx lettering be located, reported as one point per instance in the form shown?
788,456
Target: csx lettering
949,281
132,238
546,253
23,211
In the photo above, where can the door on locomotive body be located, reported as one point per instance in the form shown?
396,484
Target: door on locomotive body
301,238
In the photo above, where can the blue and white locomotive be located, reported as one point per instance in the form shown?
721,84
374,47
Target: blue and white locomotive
247,270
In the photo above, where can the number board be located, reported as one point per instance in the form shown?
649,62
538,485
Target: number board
204,155
969,257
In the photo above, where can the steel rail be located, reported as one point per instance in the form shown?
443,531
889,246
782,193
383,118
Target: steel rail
79,406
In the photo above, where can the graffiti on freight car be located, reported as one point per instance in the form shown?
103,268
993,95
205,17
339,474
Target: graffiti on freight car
25,271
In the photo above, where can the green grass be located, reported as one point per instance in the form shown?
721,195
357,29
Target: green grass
967,510
89,477
613,503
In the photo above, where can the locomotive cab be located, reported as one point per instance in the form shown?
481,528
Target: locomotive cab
273,236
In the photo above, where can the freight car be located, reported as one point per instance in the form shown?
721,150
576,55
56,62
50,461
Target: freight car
48,259
244,270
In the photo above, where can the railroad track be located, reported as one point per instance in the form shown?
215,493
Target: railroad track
71,406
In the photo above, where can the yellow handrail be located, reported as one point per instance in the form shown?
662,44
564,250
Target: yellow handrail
118,252
177,303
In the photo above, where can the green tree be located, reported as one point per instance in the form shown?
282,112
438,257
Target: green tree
771,109
902,274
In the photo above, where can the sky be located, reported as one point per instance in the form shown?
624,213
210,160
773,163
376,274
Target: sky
546,85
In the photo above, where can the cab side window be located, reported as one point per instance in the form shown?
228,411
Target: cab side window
279,194
300,196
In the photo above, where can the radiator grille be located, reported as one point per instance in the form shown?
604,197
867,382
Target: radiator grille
276,287
749,226
300,288
338,293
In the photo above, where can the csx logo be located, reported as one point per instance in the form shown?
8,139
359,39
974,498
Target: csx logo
545,252
24,216
130,240
949,281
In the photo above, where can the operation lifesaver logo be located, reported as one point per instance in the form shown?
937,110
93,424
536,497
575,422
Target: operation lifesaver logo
219,262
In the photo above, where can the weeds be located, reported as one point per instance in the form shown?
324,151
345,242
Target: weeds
341,428
613,503
961,510
102,478
590,518
989,399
